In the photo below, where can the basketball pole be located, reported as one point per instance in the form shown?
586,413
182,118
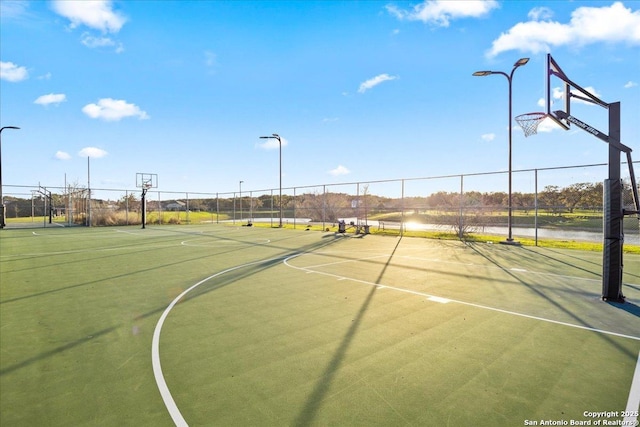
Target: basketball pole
144,207
613,215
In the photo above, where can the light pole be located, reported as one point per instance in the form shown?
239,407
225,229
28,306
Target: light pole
276,136
2,216
241,200
520,62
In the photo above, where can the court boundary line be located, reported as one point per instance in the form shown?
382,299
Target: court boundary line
633,404
165,393
437,298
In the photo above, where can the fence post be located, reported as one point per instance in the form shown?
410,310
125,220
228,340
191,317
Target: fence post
461,218
402,209
357,205
324,205
187,196
535,203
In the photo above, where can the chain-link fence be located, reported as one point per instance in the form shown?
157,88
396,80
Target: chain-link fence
478,203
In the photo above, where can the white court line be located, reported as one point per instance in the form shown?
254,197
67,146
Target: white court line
633,404
170,404
470,304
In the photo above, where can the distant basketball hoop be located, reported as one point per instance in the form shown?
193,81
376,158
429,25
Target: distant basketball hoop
145,181
529,122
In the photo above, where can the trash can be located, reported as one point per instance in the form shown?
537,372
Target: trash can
366,229
341,226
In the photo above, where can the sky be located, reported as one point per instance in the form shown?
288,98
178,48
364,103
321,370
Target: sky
358,90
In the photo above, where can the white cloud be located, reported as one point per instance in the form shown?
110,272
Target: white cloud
365,86
340,170
52,98
630,84
46,76
588,25
538,13
96,42
96,14
558,93
109,109
61,155
93,42
488,137
272,143
548,125
12,73
441,12
92,152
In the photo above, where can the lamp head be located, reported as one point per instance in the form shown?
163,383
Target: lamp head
520,62
482,73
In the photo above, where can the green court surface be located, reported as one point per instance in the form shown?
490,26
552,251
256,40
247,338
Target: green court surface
217,325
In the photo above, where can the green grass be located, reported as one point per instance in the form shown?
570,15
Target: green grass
313,342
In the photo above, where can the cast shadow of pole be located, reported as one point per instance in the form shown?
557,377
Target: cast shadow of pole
314,401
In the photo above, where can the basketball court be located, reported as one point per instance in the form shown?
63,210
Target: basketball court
221,325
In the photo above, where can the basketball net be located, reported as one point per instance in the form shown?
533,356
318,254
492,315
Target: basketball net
529,122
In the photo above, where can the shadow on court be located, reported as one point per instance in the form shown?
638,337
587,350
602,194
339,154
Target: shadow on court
581,320
629,307
311,407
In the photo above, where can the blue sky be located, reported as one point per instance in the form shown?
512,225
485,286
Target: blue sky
358,90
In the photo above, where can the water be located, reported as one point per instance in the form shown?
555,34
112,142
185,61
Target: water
632,238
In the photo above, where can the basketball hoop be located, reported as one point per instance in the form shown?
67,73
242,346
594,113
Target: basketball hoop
529,122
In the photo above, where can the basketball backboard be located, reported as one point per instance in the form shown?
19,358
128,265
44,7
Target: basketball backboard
146,180
562,89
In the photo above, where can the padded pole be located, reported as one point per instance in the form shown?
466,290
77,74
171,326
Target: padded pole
612,249
613,215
